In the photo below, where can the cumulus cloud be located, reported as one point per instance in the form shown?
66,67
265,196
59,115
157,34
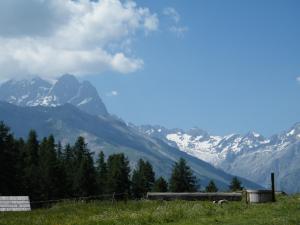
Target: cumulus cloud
298,79
52,37
176,27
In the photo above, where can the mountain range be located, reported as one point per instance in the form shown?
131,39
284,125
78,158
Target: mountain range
67,89
68,108
251,156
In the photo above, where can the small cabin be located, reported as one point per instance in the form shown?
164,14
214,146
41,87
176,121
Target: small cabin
14,203
259,196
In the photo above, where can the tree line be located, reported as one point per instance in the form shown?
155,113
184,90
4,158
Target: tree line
46,170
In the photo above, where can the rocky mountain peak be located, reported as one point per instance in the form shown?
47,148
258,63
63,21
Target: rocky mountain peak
67,89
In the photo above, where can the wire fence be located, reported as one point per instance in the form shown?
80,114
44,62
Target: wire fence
104,197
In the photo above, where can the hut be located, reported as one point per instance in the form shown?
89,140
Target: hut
259,196
14,203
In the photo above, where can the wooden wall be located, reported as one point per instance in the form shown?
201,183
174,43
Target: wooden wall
14,203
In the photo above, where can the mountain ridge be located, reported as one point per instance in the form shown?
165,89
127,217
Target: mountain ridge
250,155
68,108
107,134
67,89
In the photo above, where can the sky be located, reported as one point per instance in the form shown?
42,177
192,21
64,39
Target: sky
224,66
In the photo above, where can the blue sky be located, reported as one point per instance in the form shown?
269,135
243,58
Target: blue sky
224,66
233,70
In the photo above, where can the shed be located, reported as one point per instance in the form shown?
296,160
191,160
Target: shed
259,196
14,203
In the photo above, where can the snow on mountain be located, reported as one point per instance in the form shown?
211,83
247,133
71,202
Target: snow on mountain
213,149
67,89
252,155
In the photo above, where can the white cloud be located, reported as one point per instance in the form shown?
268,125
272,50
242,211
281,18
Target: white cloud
298,79
70,36
176,27
112,93
172,13
179,30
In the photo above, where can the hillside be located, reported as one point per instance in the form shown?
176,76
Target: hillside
108,134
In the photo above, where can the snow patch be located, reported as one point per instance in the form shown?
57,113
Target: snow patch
292,132
85,101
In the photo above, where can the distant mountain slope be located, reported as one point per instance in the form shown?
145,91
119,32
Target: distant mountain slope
109,134
67,89
251,155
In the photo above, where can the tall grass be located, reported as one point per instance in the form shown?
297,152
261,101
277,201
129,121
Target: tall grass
286,211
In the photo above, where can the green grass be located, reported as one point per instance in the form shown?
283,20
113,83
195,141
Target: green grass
285,211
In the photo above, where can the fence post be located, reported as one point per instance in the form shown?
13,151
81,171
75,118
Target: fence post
125,197
273,187
113,198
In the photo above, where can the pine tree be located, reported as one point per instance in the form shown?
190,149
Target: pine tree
101,168
138,184
182,178
85,175
118,171
9,162
31,167
149,175
69,170
62,176
19,162
211,187
85,180
160,185
235,184
50,169
142,179
59,151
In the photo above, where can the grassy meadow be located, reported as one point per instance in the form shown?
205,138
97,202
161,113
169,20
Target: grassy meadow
285,211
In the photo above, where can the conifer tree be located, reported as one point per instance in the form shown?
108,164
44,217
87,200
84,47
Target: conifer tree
8,162
85,179
149,175
211,187
85,174
160,185
101,168
235,184
61,177
138,184
118,171
19,163
31,167
69,170
50,169
142,179
59,151
182,178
